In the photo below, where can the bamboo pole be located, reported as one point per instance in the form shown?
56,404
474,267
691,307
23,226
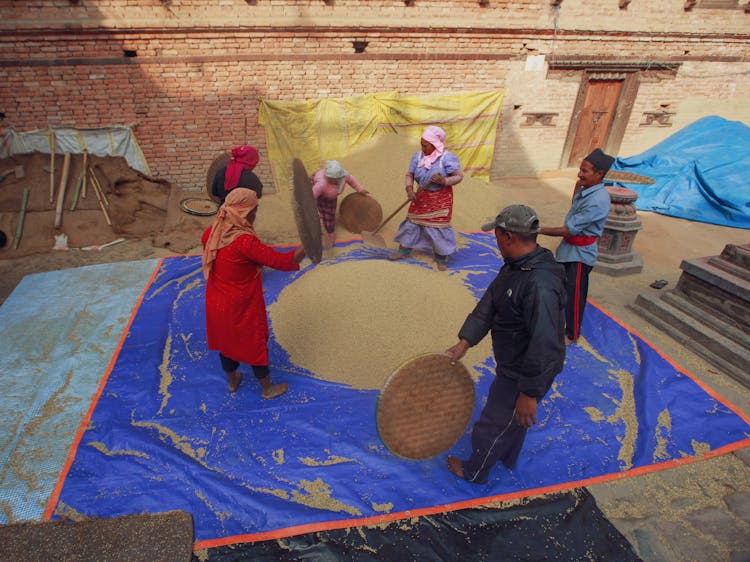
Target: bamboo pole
99,196
51,166
78,190
61,190
98,186
85,167
21,217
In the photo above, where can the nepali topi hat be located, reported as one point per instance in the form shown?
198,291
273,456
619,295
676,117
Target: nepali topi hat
600,160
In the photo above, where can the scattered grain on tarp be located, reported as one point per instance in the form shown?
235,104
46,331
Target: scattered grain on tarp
382,507
318,496
102,448
626,412
585,345
663,436
330,461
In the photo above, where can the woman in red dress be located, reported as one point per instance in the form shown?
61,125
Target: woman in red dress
236,319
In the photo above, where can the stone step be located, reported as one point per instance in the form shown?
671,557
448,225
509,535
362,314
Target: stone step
736,285
713,319
730,267
714,300
739,255
705,341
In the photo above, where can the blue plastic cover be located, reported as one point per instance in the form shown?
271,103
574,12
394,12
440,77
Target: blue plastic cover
702,173
166,435
59,332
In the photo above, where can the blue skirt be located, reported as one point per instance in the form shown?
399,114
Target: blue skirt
441,241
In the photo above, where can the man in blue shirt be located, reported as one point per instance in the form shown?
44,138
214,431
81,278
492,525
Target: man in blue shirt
583,227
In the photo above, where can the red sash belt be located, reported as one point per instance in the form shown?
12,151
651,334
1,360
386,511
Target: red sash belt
580,240
432,208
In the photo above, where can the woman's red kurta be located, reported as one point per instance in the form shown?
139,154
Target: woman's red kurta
236,319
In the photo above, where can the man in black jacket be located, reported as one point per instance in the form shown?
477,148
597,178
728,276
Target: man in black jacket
524,310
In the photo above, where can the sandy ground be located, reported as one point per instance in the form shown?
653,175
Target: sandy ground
667,515
145,216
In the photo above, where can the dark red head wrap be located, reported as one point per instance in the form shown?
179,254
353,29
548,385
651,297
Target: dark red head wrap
243,158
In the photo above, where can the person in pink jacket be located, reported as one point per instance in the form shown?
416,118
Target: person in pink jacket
327,184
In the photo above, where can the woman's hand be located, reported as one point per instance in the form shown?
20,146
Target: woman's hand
438,179
299,254
410,193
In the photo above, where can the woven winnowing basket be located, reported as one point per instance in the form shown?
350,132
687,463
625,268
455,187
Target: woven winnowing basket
425,406
306,213
619,176
359,212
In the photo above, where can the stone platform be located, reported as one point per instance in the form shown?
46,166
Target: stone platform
709,309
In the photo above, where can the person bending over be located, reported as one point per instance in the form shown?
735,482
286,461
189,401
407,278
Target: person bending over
327,184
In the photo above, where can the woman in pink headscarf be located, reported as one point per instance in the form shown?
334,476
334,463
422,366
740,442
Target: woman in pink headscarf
236,319
238,173
428,221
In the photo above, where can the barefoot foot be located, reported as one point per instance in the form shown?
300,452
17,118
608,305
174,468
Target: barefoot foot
274,390
455,465
235,378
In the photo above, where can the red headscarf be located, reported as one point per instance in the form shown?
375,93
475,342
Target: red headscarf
243,158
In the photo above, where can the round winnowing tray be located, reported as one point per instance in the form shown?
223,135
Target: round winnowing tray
425,406
199,206
218,163
628,177
306,213
359,212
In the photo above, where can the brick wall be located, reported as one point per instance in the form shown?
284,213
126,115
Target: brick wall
200,67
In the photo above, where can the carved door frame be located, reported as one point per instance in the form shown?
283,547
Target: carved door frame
623,108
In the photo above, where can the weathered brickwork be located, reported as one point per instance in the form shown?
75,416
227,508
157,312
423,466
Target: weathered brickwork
189,74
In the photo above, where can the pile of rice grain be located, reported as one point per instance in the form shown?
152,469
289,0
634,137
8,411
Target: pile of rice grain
355,322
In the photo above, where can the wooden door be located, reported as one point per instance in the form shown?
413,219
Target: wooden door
598,111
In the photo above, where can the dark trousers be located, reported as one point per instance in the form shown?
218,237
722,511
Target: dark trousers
496,436
577,288
229,365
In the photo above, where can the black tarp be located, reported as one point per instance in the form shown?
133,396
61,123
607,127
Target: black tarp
562,526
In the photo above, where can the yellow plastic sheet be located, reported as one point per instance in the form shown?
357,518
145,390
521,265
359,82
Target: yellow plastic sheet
328,129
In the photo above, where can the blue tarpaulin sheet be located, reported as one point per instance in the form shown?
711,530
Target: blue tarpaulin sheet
701,173
166,435
59,332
